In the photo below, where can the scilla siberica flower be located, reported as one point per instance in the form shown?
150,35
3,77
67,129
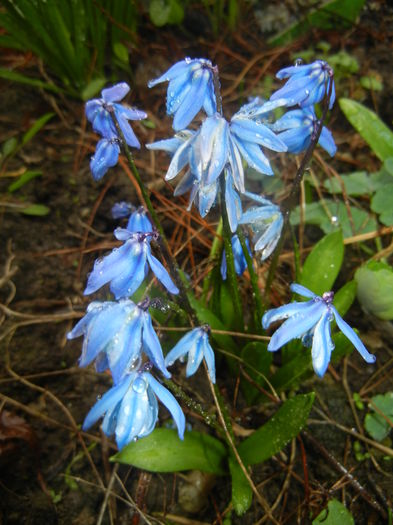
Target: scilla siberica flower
311,321
266,222
297,127
196,345
122,209
190,88
238,256
126,267
115,334
306,84
130,408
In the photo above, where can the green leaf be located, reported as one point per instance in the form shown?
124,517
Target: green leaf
35,128
272,437
23,179
376,425
382,203
378,136
35,209
372,83
356,183
163,451
159,12
93,87
226,306
293,372
257,360
335,514
23,79
323,263
345,296
121,52
375,289
9,147
241,490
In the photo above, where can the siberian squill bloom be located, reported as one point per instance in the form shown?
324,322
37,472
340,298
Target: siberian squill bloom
296,129
115,334
190,89
105,157
126,267
238,256
306,84
99,113
122,209
311,321
196,345
130,408
139,221
266,222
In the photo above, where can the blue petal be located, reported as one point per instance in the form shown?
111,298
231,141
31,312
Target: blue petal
105,157
193,100
256,132
283,312
174,71
127,282
177,92
126,348
121,209
214,147
161,273
236,164
233,204
206,198
326,141
297,325
130,113
152,346
259,214
115,93
353,337
300,70
139,222
296,139
322,345
128,132
296,90
186,184
209,357
91,109
168,145
179,159
254,156
182,346
104,125
209,104
291,119
302,290
195,355
170,402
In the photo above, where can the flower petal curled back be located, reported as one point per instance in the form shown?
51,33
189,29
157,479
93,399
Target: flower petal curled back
116,92
182,347
283,312
322,345
256,132
302,290
209,357
253,155
152,345
353,337
105,157
161,273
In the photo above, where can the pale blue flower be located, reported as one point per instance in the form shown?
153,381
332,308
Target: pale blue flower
306,84
99,110
196,345
127,266
238,256
311,321
190,89
139,221
105,157
266,222
297,128
122,209
130,409
115,334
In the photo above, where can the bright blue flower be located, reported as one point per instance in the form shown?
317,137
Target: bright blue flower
98,112
105,157
122,209
130,409
115,334
126,267
266,222
306,84
311,321
190,88
139,221
238,256
298,126
196,345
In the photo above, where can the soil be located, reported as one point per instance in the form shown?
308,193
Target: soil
51,473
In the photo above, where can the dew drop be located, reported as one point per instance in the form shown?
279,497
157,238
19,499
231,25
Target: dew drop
298,62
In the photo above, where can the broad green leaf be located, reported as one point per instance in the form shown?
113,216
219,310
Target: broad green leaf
23,179
378,136
159,12
163,451
35,128
356,183
272,437
121,52
9,147
36,209
372,83
335,14
335,514
257,361
382,203
294,371
226,305
92,88
241,490
375,289
376,425
323,263
345,296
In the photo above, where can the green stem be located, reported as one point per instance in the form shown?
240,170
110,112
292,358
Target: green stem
216,246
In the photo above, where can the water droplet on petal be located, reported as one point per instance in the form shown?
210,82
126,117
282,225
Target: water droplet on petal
298,62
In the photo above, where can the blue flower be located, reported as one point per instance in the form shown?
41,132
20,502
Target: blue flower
122,209
306,84
98,112
238,255
130,409
126,267
105,157
266,222
115,333
196,345
190,88
311,321
298,126
139,221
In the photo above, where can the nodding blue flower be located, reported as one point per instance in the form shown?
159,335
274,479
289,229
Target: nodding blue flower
306,84
196,345
139,221
98,112
130,408
115,334
238,256
297,128
122,209
105,157
190,88
311,321
126,267
266,222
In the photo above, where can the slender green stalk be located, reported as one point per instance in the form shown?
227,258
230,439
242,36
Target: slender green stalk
216,245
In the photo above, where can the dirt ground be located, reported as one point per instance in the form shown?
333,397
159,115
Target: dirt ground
50,473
